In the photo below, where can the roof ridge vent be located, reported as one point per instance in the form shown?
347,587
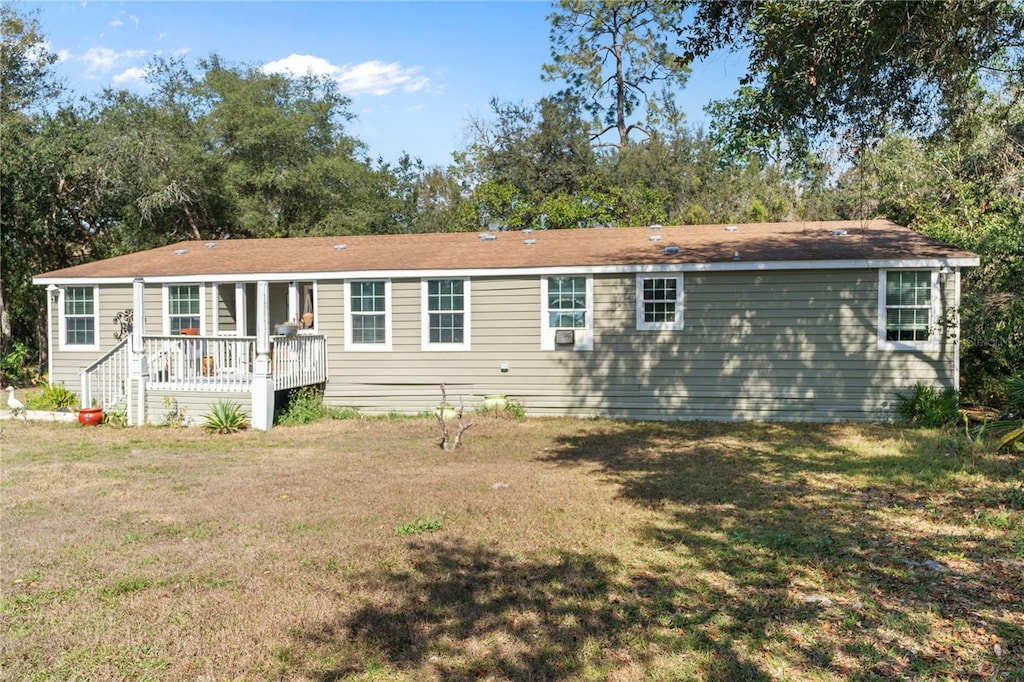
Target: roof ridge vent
489,237
210,245
527,230
731,228
529,242
180,252
340,247
671,250
654,238
839,233
655,226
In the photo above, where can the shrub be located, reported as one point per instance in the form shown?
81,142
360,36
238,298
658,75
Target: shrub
926,407
1015,393
226,417
306,405
52,397
14,364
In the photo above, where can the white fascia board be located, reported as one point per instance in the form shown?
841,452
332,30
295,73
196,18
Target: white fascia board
733,266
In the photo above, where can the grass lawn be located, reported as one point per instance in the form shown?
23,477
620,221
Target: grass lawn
542,549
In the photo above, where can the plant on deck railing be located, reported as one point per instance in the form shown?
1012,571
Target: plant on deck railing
226,417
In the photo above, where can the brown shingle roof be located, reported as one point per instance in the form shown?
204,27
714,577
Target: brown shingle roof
755,242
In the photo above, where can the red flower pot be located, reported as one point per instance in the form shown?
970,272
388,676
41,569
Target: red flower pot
90,416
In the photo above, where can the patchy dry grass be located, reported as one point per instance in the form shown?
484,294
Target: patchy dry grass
542,549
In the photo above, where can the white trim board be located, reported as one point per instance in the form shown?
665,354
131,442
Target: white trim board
732,266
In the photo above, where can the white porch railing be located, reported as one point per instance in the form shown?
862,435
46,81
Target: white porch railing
105,381
298,360
204,363
200,363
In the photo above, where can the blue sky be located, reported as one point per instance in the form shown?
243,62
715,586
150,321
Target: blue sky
416,71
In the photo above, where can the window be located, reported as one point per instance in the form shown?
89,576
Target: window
368,319
566,305
659,302
79,318
446,314
184,307
908,309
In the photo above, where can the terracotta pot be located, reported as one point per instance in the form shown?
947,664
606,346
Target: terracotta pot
90,416
191,331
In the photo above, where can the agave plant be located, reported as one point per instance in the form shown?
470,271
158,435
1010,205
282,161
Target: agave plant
226,417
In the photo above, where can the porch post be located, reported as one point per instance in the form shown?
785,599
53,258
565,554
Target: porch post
293,301
263,378
139,369
215,305
241,326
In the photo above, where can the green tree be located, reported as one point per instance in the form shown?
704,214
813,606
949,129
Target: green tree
27,87
856,69
615,57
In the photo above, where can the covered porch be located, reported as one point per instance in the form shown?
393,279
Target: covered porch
205,366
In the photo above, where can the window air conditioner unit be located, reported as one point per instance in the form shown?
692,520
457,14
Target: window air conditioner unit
565,337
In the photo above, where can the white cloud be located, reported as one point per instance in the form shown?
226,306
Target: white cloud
377,78
103,59
368,78
117,23
302,65
134,75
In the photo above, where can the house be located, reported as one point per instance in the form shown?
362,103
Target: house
815,321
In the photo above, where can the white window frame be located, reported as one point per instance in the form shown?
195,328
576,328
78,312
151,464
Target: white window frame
166,312
932,343
352,345
62,325
641,323
425,316
547,335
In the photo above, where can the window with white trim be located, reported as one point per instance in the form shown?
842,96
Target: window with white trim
445,307
567,305
368,315
184,307
908,305
79,318
659,302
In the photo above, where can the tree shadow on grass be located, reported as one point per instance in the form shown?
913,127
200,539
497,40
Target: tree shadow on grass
471,612
781,546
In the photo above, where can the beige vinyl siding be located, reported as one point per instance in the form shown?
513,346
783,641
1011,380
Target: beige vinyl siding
67,364
782,345
193,407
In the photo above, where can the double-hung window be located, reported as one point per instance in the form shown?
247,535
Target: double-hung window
908,305
368,323
184,305
445,306
567,306
659,302
79,319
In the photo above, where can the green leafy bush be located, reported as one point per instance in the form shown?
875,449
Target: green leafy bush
14,364
1015,393
226,417
306,405
52,397
924,406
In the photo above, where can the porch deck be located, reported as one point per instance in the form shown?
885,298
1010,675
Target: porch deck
203,364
